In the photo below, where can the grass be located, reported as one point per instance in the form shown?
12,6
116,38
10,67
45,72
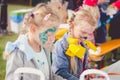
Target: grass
3,41
5,38
12,7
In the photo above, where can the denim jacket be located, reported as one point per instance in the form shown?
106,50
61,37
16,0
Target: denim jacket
61,62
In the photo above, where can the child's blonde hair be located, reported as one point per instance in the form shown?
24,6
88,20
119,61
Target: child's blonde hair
94,10
59,9
37,15
79,17
83,14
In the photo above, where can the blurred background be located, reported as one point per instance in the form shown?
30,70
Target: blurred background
11,16
15,10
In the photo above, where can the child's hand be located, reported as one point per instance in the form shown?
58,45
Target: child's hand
95,52
93,55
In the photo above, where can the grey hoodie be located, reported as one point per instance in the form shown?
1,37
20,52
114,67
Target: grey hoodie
19,55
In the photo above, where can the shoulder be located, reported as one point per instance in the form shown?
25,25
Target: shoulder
15,54
62,42
14,47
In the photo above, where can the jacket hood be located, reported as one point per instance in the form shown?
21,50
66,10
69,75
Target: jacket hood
22,44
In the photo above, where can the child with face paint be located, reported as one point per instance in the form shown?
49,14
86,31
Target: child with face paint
31,49
66,63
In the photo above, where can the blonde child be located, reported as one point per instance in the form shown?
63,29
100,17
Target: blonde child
92,7
65,63
58,8
62,13
31,49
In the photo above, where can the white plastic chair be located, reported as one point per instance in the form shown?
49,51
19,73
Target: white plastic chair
31,71
94,71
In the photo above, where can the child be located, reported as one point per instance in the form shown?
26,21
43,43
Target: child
91,6
29,49
59,10
69,66
114,29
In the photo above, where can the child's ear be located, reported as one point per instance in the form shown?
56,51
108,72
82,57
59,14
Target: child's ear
32,28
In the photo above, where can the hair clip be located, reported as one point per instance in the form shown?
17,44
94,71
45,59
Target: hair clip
31,14
46,17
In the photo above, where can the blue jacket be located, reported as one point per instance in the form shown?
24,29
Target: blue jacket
61,62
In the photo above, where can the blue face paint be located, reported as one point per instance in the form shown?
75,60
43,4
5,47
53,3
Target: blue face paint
43,38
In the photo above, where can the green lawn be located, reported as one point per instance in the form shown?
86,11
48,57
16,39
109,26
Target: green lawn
5,38
12,7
